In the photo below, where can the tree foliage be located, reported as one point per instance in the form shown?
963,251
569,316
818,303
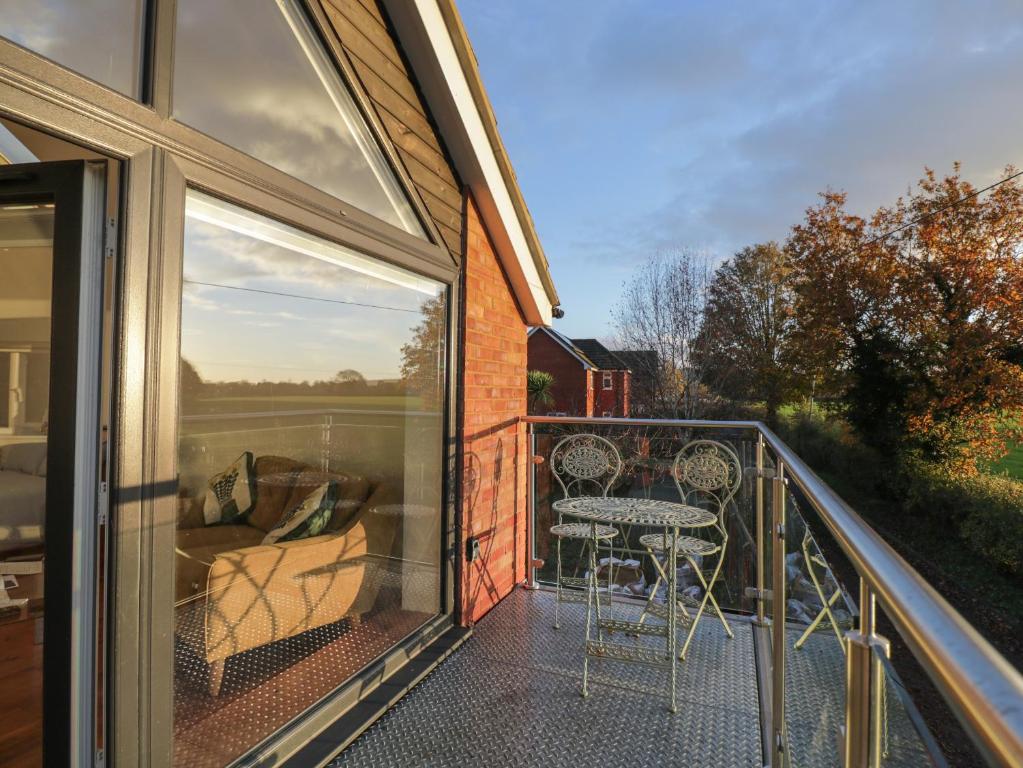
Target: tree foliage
747,324
917,332
661,309
422,359
539,390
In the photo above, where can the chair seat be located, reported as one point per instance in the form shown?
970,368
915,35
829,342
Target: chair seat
685,545
583,531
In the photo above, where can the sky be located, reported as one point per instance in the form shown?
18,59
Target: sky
262,301
638,126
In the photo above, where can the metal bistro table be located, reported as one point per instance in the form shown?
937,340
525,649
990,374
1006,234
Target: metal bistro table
667,516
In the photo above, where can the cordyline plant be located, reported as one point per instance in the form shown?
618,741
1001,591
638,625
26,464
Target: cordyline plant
538,390
918,333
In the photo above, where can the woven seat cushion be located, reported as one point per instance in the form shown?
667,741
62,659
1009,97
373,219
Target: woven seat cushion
686,545
582,531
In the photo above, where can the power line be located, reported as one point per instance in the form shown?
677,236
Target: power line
299,296
925,216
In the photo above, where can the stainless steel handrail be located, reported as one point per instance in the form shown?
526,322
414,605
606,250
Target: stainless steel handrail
982,687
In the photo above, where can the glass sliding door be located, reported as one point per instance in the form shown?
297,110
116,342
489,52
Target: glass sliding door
51,274
310,456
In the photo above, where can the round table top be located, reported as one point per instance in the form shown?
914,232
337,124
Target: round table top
632,511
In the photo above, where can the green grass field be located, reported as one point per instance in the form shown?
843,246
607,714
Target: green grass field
259,403
1011,464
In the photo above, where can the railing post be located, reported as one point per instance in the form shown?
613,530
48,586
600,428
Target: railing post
530,582
779,756
862,742
879,708
760,538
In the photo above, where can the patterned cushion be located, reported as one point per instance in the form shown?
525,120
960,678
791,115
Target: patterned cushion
307,518
231,494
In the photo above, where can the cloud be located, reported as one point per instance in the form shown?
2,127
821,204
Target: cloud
715,124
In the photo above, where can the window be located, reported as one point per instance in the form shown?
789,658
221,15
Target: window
312,388
255,75
608,380
101,39
26,372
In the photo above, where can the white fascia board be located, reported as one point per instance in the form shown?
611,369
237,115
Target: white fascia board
426,41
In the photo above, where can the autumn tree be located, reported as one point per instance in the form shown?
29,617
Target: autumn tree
747,322
422,359
912,317
192,387
661,310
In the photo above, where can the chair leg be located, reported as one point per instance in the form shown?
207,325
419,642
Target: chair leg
826,604
820,617
594,582
707,597
610,578
557,587
591,597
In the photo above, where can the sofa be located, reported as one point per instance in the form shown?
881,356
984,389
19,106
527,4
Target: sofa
22,497
234,593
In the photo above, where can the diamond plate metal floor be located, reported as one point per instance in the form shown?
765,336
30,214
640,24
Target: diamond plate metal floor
510,697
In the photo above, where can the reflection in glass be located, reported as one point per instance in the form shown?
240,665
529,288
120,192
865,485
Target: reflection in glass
100,39
268,88
310,457
26,271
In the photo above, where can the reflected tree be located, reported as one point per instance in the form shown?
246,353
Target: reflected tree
422,359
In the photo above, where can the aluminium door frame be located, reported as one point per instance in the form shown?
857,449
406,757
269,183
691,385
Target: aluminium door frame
35,106
76,189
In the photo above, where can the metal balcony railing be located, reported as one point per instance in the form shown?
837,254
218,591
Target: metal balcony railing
828,690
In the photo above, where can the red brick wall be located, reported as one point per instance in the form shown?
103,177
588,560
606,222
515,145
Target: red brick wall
493,398
615,400
570,377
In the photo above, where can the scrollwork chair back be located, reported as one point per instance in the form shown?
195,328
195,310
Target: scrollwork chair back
707,474
585,465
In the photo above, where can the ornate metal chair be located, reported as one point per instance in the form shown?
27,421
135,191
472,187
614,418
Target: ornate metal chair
707,474
583,465
827,603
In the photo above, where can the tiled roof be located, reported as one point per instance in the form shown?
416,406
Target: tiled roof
641,361
601,356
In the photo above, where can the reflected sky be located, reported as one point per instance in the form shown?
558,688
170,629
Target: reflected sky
101,39
266,87
257,311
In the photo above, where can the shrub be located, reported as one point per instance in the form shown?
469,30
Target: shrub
828,444
985,510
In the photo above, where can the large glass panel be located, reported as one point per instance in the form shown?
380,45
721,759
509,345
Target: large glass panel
101,39
253,74
26,271
819,609
310,458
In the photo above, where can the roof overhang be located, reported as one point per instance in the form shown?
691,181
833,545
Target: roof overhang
434,40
